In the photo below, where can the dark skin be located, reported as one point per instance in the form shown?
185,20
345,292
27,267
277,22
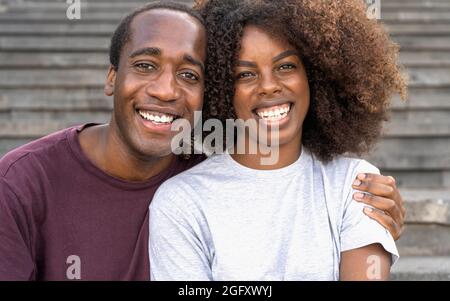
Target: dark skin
127,151
270,74
378,191
160,71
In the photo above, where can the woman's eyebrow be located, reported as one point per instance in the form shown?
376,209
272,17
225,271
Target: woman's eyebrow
284,54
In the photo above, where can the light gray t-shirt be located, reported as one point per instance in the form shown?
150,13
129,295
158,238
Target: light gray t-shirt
223,221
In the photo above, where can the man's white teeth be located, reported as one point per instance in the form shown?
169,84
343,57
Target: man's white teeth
156,117
274,113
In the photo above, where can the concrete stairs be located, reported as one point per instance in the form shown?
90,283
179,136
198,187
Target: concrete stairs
52,71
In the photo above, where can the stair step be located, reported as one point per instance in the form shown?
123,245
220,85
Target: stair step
439,59
80,29
415,15
412,154
45,60
429,77
422,268
419,29
414,7
35,128
427,228
61,16
54,60
425,239
423,43
427,206
85,78
74,99
424,99
54,44
418,123
420,179
85,6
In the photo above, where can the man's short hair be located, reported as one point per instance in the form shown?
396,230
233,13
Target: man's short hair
123,32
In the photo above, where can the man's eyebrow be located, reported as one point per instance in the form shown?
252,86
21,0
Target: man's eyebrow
246,64
284,54
193,61
152,51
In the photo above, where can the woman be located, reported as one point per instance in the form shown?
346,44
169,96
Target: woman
319,76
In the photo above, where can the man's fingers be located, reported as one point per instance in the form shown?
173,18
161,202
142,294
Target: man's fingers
374,188
382,204
385,220
376,178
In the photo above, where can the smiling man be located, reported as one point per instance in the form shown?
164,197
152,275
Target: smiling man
74,205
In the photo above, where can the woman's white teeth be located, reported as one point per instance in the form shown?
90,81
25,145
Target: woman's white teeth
156,117
274,113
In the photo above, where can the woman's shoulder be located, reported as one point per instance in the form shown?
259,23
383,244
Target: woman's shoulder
344,165
193,183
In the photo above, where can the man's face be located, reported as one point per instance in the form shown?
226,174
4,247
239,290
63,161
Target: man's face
160,78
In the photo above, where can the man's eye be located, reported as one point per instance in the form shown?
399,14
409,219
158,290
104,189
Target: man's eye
287,67
190,76
244,75
144,67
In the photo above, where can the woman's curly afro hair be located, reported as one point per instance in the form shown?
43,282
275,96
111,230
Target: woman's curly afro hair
352,65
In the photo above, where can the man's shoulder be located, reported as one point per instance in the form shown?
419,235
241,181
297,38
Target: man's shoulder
23,158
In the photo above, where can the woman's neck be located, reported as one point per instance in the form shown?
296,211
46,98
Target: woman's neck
278,156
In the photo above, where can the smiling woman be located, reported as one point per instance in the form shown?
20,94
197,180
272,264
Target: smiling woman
302,68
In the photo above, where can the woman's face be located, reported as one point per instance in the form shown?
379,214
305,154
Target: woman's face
271,84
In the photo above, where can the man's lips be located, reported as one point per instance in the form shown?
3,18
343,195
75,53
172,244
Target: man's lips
157,114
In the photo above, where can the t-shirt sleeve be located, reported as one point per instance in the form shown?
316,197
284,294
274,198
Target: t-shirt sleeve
16,261
177,246
359,230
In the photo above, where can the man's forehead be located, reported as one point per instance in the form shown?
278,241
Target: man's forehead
166,27
157,20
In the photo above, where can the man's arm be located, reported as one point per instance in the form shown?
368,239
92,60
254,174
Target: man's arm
371,262
16,261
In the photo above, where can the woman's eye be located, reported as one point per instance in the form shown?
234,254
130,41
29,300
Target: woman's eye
287,67
190,76
144,67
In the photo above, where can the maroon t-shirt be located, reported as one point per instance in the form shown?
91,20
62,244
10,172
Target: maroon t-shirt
62,218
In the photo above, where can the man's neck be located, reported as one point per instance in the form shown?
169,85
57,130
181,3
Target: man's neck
106,150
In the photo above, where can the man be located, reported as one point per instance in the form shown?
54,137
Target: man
74,204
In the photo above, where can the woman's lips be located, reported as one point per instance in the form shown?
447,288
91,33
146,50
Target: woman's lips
274,113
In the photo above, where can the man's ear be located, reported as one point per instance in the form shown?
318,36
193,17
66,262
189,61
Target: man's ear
110,80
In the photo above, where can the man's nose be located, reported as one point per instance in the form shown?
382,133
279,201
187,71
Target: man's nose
165,87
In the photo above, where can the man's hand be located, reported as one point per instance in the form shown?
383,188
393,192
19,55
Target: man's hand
384,196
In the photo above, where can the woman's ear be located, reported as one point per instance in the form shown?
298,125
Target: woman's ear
110,80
